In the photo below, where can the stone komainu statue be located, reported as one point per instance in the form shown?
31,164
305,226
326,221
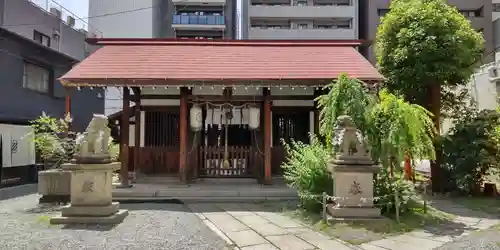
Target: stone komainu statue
348,140
92,145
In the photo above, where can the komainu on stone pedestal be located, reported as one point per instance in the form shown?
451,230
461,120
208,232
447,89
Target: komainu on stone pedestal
92,180
92,145
352,170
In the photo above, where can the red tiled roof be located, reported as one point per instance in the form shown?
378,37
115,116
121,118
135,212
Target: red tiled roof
161,59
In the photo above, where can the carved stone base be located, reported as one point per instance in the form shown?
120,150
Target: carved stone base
354,212
111,219
90,211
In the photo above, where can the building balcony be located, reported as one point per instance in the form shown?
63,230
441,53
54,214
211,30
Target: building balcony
301,34
196,22
199,3
309,12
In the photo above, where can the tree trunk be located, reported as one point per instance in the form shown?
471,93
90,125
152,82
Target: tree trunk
435,93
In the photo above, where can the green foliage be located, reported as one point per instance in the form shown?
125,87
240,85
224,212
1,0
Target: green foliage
392,127
422,42
385,188
114,150
471,149
398,127
305,169
346,96
51,142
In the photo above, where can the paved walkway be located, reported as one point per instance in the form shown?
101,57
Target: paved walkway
253,227
465,222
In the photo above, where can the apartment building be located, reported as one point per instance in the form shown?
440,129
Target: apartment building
190,19
479,12
300,19
49,25
163,18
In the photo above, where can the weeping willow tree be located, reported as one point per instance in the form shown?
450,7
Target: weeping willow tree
346,96
398,127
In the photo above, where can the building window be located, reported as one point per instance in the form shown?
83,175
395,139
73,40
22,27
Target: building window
41,38
496,7
472,13
36,78
301,2
382,12
302,25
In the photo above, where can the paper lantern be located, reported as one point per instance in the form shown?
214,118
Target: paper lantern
195,115
253,117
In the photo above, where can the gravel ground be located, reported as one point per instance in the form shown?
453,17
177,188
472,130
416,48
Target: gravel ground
481,240
25,226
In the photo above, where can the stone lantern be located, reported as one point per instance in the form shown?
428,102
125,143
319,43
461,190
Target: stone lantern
352,171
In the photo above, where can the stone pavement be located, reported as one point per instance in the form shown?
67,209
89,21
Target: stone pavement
466,221
248,226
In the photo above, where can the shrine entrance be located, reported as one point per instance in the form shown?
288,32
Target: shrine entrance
226,142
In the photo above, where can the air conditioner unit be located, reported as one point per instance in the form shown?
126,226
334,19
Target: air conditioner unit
56,12
71,21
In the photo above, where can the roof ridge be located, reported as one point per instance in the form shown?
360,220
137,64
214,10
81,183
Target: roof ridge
202,42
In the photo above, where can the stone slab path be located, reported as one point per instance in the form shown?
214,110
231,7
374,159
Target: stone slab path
466,221
248,226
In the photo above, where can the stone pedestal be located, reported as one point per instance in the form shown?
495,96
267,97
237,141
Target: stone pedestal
91,196
354,183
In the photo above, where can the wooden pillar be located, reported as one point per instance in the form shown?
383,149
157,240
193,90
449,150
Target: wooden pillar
137,135
183,117
67,105
124,134
137,130
316,110
267,137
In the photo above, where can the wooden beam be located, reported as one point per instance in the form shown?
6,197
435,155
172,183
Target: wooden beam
267,137
183,134
124,134
221,98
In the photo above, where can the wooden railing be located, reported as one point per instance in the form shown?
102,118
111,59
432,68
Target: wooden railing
211,162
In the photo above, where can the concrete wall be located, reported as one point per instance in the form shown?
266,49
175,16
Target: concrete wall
22,104
372,20
24,17
483,90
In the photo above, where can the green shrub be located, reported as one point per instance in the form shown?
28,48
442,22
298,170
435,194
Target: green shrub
385,189
471,150
114,150
52,142
305,169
